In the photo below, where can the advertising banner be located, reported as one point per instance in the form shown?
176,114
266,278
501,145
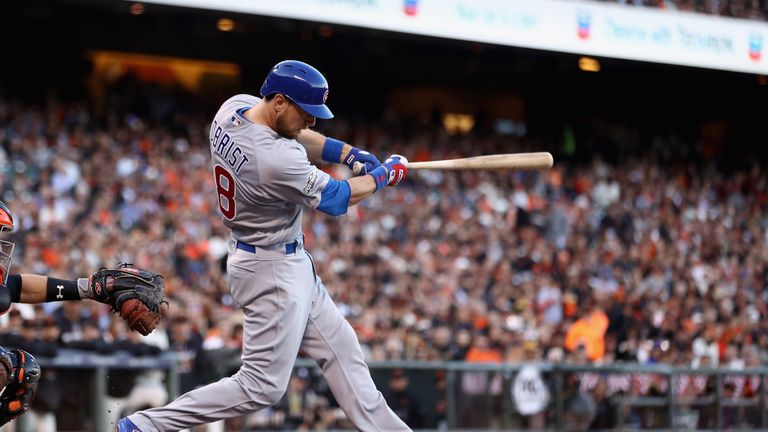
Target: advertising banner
579,27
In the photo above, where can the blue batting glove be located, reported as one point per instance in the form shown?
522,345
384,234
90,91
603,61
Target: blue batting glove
360,161
391,172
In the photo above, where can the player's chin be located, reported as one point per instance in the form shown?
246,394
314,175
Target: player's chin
289,133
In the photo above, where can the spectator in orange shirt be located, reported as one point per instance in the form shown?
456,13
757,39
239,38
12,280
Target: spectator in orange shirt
589,330
479,389
482,352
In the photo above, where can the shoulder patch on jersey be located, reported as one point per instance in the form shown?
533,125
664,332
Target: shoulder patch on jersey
235,121
311,181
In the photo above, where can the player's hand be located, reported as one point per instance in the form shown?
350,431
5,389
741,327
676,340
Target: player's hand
391,172
360,161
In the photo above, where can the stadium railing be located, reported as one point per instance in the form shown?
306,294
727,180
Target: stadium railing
99,366
435,383
665,409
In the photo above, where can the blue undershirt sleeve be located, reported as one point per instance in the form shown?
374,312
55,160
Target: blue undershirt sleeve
334,200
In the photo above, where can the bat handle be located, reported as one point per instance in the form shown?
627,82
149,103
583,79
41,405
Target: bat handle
357,168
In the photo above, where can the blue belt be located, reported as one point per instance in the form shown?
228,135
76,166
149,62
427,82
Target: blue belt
290,248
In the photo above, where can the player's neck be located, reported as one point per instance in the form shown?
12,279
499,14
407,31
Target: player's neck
258,114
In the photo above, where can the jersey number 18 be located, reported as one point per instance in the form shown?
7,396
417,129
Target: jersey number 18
225,187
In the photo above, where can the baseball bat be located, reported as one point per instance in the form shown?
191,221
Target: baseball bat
513,161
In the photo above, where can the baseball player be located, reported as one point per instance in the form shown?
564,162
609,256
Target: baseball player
261,151
135,294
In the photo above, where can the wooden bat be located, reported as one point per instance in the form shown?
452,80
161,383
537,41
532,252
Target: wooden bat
512,161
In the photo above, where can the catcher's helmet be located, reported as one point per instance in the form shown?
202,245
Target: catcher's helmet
301,83
6,247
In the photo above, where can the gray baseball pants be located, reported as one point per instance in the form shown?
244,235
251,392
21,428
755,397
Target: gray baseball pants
286,307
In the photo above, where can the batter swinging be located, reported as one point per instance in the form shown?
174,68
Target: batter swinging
261,151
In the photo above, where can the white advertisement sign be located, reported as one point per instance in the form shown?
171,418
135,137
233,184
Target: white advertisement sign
579,27
529,393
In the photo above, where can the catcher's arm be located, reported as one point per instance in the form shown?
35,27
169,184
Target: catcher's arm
32,288
135,294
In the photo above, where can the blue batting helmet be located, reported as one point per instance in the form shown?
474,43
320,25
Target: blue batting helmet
302,84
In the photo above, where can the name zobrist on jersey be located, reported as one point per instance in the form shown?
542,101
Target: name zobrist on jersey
228,149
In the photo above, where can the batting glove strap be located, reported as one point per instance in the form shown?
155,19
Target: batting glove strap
365,161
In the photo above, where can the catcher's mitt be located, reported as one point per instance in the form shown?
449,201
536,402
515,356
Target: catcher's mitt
135,294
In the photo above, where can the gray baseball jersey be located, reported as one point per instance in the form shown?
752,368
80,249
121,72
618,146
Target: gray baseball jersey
263,182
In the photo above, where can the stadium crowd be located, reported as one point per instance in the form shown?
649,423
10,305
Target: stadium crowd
744,9
643,259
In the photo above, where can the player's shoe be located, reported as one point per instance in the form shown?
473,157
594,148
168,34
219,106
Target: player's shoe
125,425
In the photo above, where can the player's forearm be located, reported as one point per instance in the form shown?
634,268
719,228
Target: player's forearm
40,289
32,288
361,188
313,142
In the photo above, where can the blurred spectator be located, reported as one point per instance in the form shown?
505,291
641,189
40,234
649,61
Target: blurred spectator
12,334
402,401
298,400
580,408
70,318
605,409
129,390
188,346
91,339
588,331
479,389
49,393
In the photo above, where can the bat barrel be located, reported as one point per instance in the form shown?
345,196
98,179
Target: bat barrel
514,161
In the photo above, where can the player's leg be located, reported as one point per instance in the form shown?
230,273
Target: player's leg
331,341
275,296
